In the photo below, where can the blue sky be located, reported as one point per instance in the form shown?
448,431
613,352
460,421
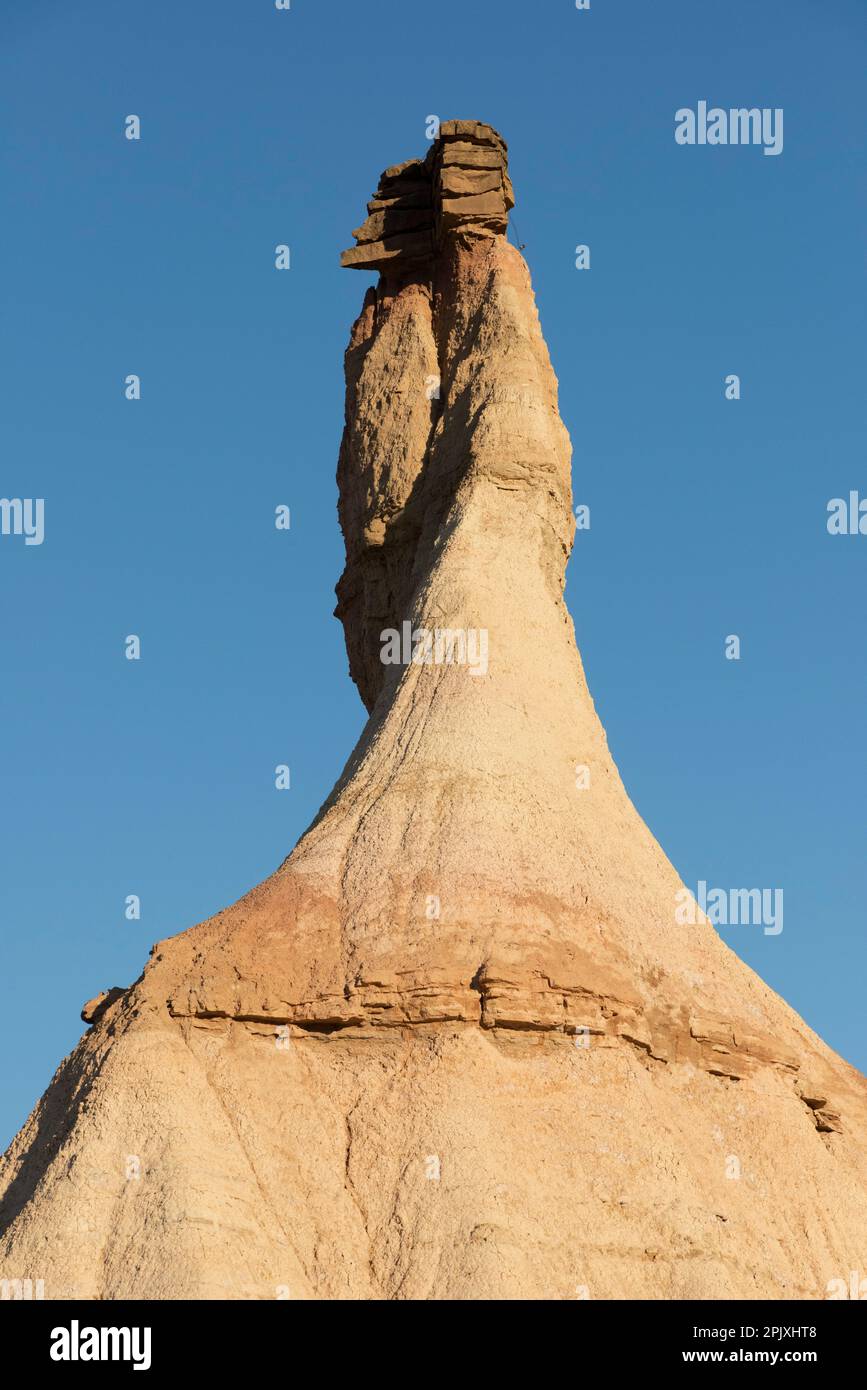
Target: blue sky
708,516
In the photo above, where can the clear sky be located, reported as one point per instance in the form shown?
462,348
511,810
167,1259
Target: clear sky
708,516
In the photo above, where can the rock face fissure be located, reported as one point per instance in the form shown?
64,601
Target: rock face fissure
459,1045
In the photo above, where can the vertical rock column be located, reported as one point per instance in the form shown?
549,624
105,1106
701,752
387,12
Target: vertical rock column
460,193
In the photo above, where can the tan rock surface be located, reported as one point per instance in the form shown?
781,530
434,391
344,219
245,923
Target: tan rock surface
457,1046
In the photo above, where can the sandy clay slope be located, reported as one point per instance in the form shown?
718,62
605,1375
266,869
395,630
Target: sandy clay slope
458,1045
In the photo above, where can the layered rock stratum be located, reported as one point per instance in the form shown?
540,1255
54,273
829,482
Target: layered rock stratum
458,1046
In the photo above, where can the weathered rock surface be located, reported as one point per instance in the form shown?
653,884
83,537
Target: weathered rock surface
462,183
457,1046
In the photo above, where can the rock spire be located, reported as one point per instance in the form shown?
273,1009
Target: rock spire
460,1044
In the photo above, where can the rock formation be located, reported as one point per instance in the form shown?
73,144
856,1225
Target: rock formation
458,1045
462,184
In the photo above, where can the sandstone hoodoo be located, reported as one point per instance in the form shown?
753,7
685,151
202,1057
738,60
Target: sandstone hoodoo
458,1045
